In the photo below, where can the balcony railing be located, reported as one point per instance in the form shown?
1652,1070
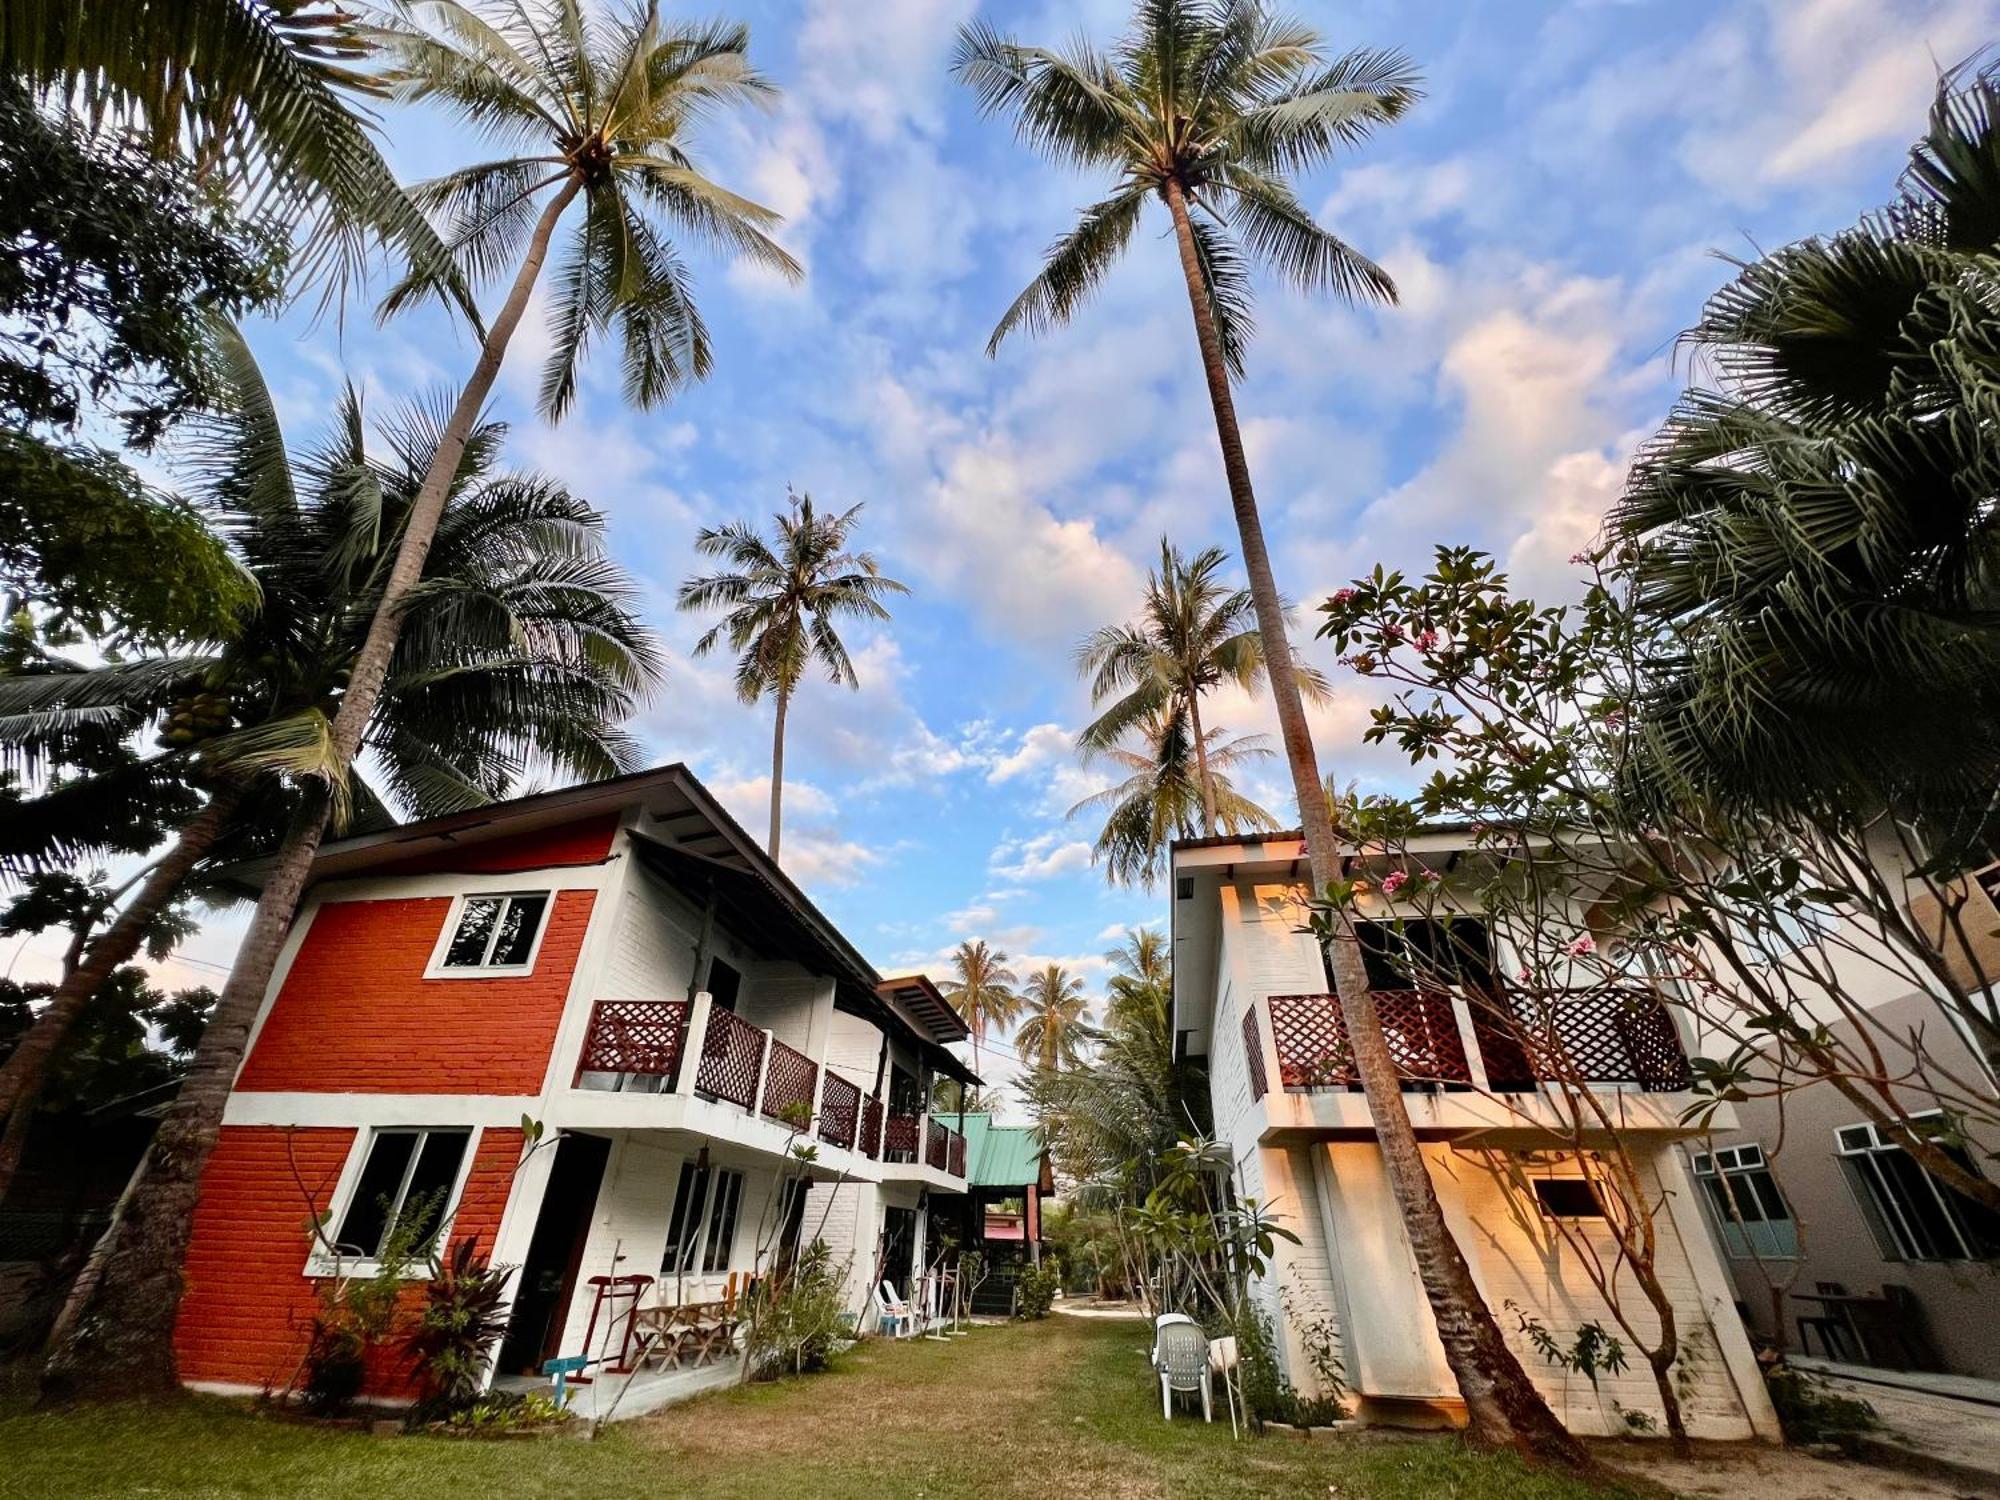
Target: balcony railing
937,1146
634,1036
956,1160
790,1081
871,1127
731,1056
1626,1038
839,1111
899,1138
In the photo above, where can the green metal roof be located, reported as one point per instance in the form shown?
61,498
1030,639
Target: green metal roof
1002,1156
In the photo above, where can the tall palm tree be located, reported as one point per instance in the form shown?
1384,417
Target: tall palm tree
1193,634
1142,979
982,991
1162,796
520,649
783,600
260,94
1054,1032
1206,107
598,115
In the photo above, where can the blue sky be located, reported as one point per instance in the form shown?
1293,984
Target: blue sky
1551,212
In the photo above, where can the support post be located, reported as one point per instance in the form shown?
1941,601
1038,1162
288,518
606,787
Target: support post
692,1045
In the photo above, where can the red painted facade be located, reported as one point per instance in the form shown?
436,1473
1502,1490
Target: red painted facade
357,1016
249,1304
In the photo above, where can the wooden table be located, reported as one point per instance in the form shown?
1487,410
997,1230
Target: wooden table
1864,1313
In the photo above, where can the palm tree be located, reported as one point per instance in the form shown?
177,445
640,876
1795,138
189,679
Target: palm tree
599,115
1193,635
255,92
1054,1033
520,648
1808,543
1161,798
783,599
1142,981
982,991
1207,106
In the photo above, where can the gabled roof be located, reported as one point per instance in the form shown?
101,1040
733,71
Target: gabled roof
1004,1156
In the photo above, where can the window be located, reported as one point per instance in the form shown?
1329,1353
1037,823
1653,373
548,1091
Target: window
1568,1198
1750,1212
684,1229
407,1179
722,1222
724,984
496,932
1913,1215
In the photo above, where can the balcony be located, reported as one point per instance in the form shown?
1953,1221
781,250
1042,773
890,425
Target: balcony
1445,1045
637,1047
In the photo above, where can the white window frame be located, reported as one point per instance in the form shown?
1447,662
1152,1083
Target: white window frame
1895,1237
1723,1163
438,969
717,1178
320,1260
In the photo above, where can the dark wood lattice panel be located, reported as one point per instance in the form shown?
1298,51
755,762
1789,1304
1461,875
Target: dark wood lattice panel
730,1057
634,1036
935,1148
1253,1054
789,1081
839,1111
1626,1037
957,1157
871,1127
899,1138
1419,1027
1509,1070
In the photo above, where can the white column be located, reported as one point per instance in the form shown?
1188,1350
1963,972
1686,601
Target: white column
692,1044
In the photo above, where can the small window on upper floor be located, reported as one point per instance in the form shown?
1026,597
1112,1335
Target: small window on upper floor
497,932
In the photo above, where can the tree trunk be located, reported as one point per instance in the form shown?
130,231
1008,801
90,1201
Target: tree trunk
1201,767
27,1067
122,1343
778,772
1502,1406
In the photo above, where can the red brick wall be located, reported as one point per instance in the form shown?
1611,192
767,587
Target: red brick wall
580,843
357,1016
248,1306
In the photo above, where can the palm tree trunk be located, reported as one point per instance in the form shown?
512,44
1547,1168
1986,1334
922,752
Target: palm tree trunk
122,1344
778,772
121,1325
1201,767
1503,1408
27,1067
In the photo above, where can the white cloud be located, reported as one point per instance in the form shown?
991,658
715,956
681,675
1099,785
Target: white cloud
1039,858
1039,746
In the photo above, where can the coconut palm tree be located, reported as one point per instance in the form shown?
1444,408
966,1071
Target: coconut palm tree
1054,1033
783,600
982,991
520,649
1142,979
257,93
1162,796
1193,634
598,117
1206,107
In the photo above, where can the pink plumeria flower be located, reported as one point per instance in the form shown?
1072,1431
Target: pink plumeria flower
1582,946
1392,631
1427,640
1393,882
1343,596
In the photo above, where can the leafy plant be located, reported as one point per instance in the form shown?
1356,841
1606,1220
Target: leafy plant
1810,1410
801,1318
508,1411
1595,1351
1035,1291
360,1307
464,1316
1267,1395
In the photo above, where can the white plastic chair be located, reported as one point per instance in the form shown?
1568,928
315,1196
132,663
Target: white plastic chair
1180,1354
893,1315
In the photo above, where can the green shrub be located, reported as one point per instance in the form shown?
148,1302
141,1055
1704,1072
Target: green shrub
796,1322
1035,1291
1267,1395
508,1411
463,1317
1810,1410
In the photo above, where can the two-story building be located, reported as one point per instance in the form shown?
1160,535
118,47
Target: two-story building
593,1027
1252,993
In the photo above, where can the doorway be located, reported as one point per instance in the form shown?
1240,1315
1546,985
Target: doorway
899,1247
548,1278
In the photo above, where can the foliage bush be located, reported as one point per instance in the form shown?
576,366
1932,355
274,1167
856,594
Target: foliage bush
464,1316
796,1322
1810,1410
1267,1395
359,1311
508,1411
1035,1290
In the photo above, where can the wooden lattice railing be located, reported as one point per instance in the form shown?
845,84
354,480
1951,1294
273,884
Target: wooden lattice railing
634,1036
730,1056
956,1157
790,1079
839,1111
899,1138
1619,1038
937,1148
871,1127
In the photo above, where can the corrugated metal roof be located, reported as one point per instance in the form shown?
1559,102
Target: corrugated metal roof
1001,1155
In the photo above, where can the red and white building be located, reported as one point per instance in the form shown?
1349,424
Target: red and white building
623,965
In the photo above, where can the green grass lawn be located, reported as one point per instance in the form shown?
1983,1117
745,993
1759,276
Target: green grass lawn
1054,1409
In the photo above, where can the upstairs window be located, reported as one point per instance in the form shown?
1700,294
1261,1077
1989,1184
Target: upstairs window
1912,1214
497,932
1749,1210
407,1181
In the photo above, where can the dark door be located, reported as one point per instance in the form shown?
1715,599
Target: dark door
548,1279
899,1243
